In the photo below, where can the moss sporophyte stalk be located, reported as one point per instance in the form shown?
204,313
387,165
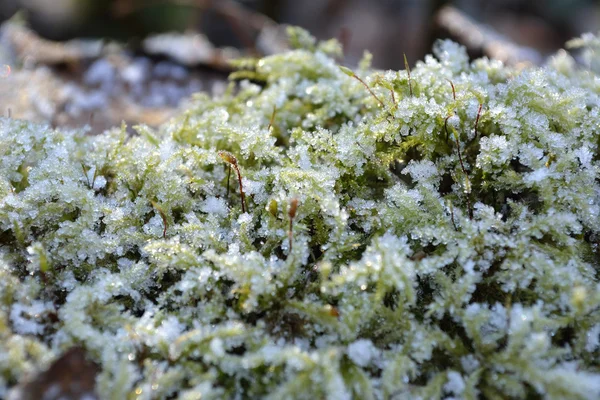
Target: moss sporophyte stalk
396,236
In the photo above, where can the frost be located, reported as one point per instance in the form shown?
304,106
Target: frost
26,320
455,384
169,330
593,339
216,346
585,156
214,205
100,182
537,176
424,171
362,352
425,262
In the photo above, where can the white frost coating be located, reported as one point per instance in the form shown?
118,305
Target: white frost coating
155,226
424,171
384,270
537,175
469,363
216,346
593,338
26,320
99,183
362,352
214,205
585,156
455,383
169,330
252,187
245,218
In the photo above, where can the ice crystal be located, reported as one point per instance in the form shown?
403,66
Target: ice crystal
424,258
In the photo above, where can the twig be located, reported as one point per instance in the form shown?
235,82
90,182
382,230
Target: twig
483,39
231,10
27,44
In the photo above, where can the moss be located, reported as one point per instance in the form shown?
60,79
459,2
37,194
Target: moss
444,239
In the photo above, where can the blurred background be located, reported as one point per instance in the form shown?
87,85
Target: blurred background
388,28
100,62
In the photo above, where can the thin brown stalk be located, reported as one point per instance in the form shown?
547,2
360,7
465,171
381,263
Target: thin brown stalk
453,89
232,161
228,179
446,126
452,217
369,89
242,194
462,166
351,74
477,119
292,215
162,215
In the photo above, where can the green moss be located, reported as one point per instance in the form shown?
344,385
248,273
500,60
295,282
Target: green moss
436,250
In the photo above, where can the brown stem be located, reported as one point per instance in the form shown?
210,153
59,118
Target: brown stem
232,161
446,126
228,178
453,89
462,166
162,215
242,195
292,215
477,119
452,217
369,89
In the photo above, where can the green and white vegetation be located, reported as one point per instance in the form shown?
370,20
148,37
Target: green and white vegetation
398,240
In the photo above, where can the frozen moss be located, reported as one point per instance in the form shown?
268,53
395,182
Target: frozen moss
436,248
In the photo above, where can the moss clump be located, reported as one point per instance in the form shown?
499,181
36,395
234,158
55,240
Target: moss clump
403,243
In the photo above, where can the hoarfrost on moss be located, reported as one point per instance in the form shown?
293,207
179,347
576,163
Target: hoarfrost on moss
425,262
